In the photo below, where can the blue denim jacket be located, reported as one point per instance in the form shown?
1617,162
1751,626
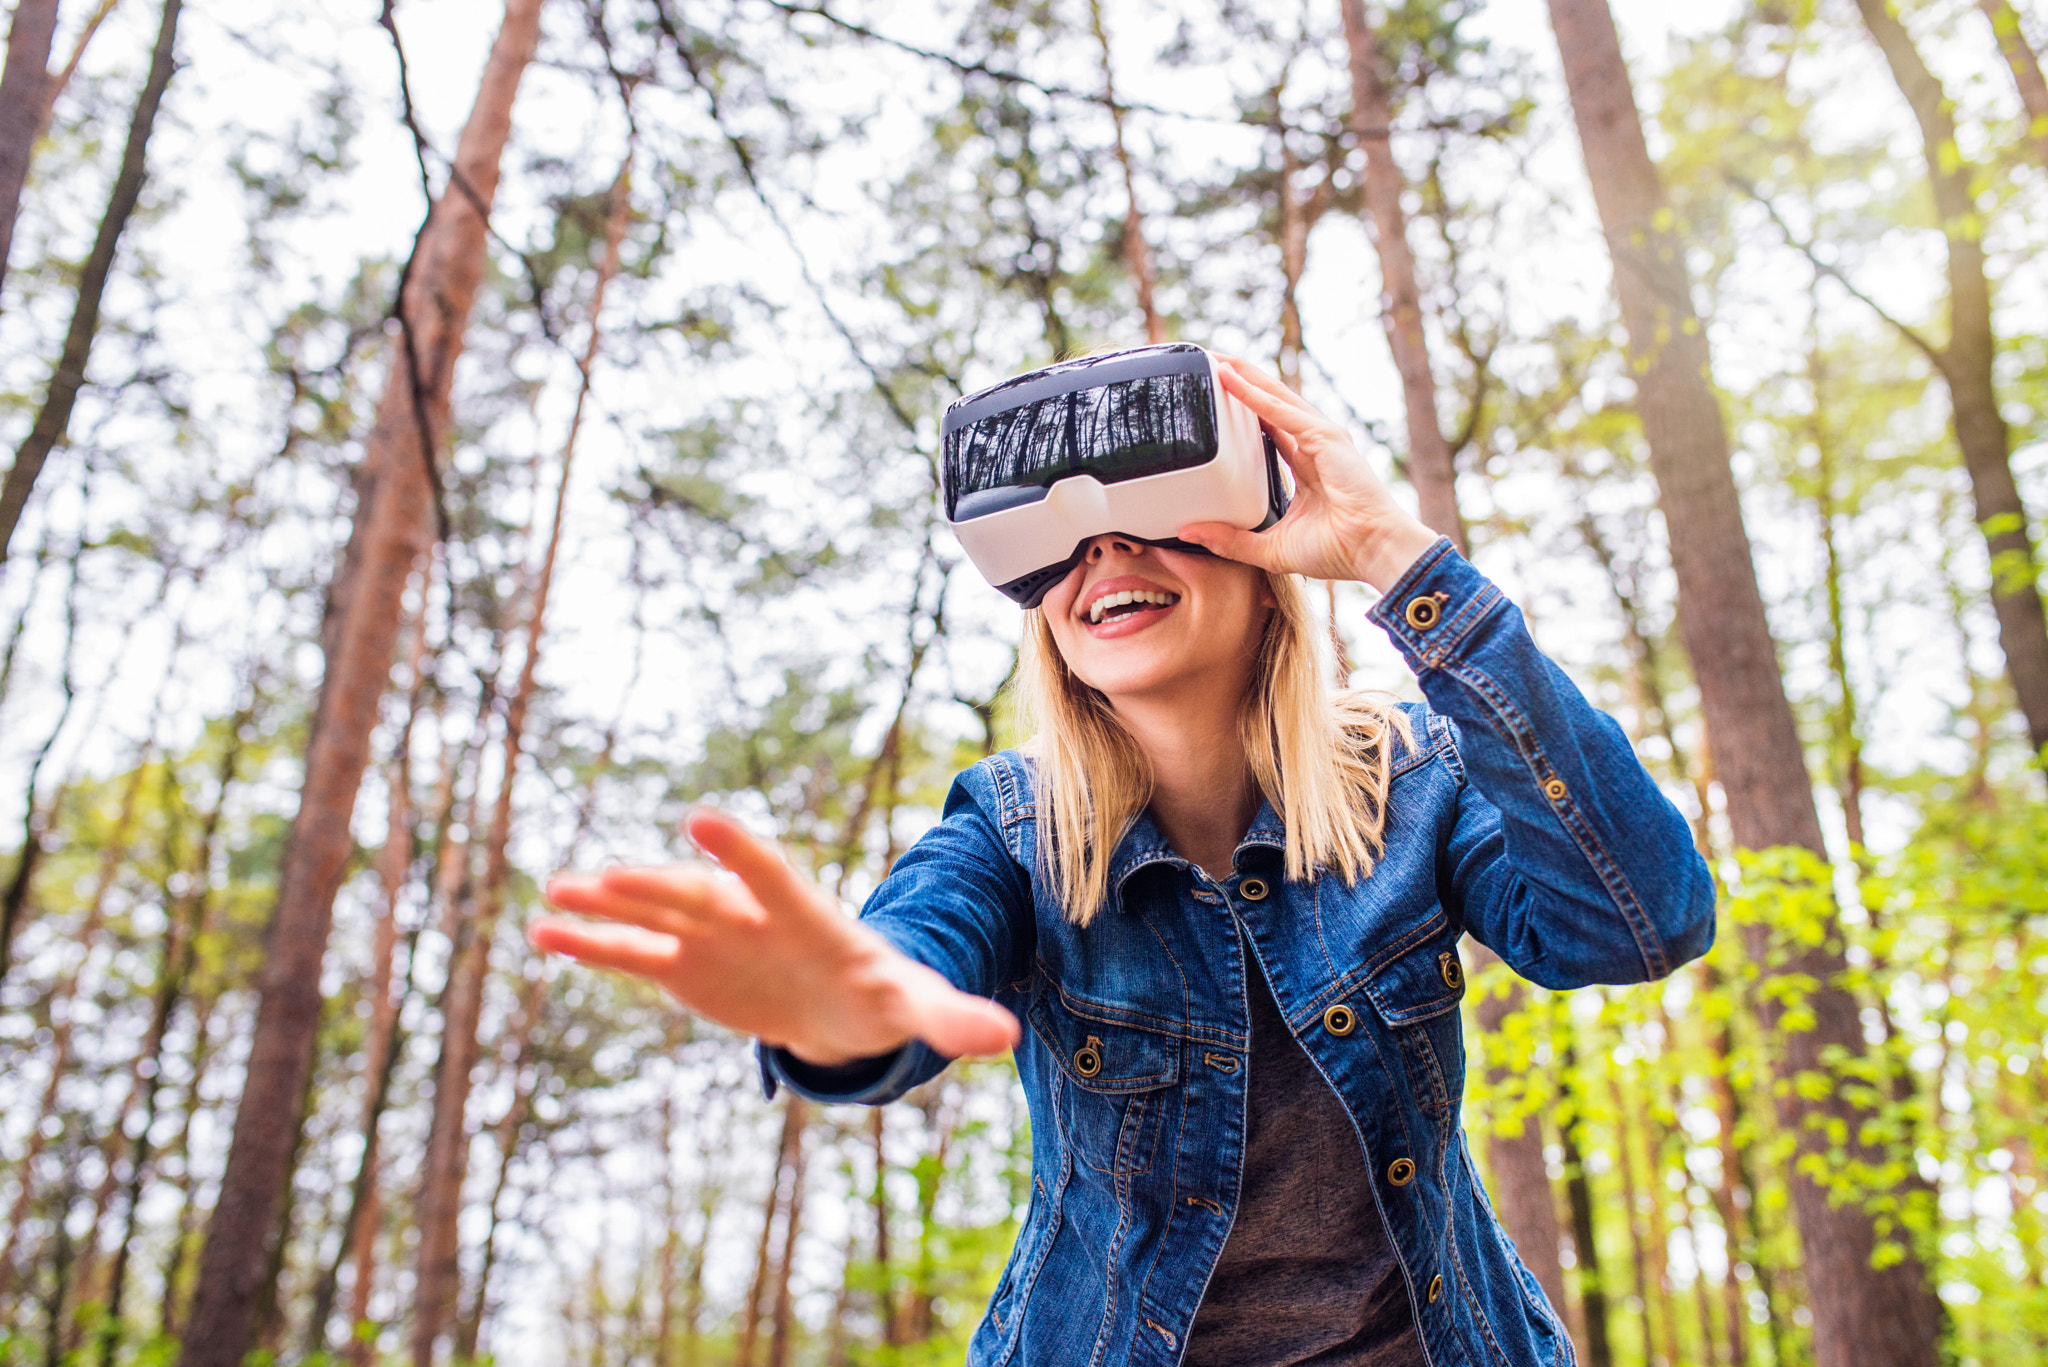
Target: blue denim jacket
1520,816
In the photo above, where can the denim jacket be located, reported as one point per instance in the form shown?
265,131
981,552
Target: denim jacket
1519,816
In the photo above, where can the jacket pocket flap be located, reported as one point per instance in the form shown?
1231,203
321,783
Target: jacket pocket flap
1101,1056
1425,982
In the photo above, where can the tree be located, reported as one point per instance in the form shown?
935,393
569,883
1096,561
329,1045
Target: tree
2026,70
1965,365
1515,1161
392,530
1864,1315
24,96
54,417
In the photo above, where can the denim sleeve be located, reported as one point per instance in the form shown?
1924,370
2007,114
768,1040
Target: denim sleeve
1565,859
956,902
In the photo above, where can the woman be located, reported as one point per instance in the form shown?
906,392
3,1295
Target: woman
1216,913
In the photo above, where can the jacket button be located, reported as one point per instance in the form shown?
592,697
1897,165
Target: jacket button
1253,889
1341,1020
1554,789
1088,1058
1401,1171
1436,1287
1453,971
1425,611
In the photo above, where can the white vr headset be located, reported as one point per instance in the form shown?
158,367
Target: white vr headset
1142,442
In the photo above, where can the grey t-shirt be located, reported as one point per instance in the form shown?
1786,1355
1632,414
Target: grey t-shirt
1308,1274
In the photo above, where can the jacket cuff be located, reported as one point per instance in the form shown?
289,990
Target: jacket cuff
1436,604
862,1082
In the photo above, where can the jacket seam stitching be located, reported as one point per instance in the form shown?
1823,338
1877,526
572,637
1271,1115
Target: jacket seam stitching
1648,944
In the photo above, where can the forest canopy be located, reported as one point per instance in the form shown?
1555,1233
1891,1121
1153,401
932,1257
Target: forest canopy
450,439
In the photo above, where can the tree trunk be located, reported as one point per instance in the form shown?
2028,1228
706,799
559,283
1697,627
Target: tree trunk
1965,365
1430,467
54,417
1137,254
393,526
2026,70
794,1113
885,1291
1515,1162
1585,1246
1863,1316
447,1157
783,1320
380,1054
525,1078
181,952
24,95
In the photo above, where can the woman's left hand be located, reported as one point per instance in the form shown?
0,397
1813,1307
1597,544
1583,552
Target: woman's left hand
1343,522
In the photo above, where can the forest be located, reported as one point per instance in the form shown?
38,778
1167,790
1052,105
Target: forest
451,439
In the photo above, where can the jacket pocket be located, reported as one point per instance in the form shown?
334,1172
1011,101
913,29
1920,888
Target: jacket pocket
1418,994
1114,1084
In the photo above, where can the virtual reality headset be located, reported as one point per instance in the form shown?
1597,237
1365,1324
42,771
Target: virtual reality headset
1141,442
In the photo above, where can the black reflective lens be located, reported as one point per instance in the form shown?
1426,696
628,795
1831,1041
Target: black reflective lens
1117,418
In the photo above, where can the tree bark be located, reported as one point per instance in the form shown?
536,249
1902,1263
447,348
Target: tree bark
393,527
1430,467
1585,1245
1965,365
1863,1316
2026,70
447,1157
24,96
54,417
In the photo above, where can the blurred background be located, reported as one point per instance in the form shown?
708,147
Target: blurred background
452,437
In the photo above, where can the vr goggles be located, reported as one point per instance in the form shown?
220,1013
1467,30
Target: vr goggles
1141,442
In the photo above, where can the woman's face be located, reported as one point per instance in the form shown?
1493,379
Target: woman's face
1146,622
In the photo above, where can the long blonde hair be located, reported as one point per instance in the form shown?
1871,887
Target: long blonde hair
1321,758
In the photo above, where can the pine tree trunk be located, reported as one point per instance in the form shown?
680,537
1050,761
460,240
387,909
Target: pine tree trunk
794,1114
1965,365
393,527
1137,254
1521,1176
54,417
24,96
2026,70
1585,1245
1430,467
447,1157
783,1321
1863,1316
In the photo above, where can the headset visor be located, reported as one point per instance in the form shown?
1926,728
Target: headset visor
1116,418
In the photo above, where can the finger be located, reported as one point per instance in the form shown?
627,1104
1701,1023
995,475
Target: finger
759,864
1250,379
1232,543
692,892
956,1024
594,895
628,949
1282,409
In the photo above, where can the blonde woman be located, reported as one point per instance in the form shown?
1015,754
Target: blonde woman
1215,910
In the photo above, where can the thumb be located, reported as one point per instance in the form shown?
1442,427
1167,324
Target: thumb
956,1024
1232,543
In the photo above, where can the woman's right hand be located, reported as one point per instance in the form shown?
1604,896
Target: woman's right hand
760,950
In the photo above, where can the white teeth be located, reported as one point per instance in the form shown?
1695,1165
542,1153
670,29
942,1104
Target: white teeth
1107,601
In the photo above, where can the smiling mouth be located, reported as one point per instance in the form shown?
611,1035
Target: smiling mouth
1112,606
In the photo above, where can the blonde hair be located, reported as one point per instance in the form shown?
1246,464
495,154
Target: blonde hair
1322,759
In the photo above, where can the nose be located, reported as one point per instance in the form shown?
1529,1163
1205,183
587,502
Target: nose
1112,541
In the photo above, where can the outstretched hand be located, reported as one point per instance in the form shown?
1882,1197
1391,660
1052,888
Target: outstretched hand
1343,522
758,949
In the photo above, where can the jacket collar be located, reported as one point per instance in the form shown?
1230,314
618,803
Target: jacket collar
1142,845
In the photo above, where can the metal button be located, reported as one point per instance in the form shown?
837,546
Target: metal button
1401,1171
1425,611
1340,1020
1436,1287
1088,1058
1253,889
1554,789
1453,971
